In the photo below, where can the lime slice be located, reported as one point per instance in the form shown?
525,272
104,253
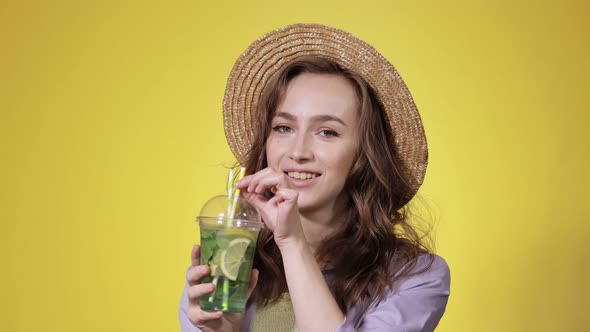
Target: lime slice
231,258
215,270
237,232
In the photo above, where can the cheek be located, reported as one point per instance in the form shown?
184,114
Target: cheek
339,161
272,152
341,154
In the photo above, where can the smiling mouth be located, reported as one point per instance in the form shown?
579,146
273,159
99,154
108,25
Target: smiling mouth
302,175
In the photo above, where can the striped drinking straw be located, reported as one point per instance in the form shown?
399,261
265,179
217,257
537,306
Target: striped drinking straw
232,192
232,203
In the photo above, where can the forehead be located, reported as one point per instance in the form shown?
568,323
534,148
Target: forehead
310,94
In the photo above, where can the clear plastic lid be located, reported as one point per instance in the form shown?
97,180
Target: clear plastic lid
236,210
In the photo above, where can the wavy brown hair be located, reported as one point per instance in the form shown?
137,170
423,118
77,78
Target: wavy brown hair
376,244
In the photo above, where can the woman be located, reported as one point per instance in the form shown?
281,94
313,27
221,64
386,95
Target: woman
335,152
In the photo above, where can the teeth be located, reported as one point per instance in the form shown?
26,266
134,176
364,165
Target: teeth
302,176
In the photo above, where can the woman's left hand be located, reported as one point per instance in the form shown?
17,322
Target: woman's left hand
280,213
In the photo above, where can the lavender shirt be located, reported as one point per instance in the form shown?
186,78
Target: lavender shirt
413,304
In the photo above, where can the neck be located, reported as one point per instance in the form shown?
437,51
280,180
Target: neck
319,224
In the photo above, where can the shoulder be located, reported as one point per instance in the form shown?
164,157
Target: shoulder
430,273
413,303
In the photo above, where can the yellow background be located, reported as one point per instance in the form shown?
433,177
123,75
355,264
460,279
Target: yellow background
111,140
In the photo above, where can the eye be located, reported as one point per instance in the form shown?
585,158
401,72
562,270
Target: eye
281,129
328,133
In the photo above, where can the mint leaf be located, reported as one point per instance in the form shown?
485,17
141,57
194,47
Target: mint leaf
207,233
245,271
208,247
222,242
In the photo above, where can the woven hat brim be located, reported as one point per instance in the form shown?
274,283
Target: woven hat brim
268,55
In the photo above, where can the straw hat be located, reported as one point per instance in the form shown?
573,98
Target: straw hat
268,54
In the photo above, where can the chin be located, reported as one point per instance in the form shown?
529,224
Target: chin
309,205
304,204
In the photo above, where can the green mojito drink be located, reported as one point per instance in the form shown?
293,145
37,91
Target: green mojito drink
227,247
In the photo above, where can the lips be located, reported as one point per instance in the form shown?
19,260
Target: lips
302,175
302,178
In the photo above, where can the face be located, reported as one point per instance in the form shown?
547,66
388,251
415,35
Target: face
314,138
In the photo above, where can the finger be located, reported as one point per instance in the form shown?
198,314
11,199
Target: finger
261,188
272,177
200,317
275,180
196,291
195,255
287,195
262,176
247,195
246,180
261,203
196,273
253,282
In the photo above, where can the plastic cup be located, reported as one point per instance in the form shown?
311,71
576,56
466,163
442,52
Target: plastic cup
228,244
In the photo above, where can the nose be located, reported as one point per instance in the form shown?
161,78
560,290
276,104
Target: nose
301,149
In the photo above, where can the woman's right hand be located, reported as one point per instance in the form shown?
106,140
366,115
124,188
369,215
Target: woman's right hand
210,321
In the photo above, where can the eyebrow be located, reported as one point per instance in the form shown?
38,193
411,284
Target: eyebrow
315,118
